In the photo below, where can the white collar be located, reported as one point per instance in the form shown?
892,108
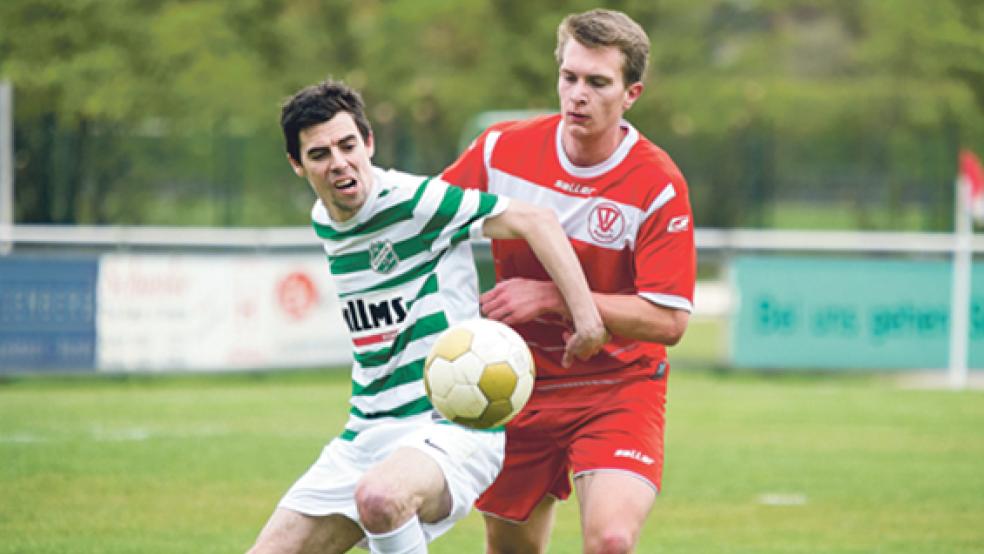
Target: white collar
628,141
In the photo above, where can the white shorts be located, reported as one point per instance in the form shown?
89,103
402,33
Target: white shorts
470,460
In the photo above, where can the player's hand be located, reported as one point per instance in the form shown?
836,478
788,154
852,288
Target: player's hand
516,301
584,343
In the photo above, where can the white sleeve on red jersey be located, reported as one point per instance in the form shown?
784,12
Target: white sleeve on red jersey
665,255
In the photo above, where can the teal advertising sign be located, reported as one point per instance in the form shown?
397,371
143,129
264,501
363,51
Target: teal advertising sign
823,312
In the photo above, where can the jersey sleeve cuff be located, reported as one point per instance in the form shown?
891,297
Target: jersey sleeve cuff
476,230
669,301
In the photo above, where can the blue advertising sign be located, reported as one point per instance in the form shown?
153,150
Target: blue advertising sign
47,313
837,312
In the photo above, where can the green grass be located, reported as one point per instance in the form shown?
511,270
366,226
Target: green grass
703,345
196,464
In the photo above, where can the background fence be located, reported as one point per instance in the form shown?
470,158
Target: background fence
91,298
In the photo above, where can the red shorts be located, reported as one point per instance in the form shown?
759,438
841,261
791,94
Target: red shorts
622,430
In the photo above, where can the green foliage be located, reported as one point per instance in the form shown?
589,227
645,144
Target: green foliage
129,108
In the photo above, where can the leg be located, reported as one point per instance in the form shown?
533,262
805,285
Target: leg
390,493
291,532
392,501
618,464
529,537
614,506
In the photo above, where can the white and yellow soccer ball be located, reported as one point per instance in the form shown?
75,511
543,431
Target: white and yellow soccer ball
479,373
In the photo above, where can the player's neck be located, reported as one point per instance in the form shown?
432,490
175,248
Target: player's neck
586,150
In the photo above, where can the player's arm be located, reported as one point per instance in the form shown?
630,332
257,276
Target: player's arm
632,316
541,229
518,300
664,261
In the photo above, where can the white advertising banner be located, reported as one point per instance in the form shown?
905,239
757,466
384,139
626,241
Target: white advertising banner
217,312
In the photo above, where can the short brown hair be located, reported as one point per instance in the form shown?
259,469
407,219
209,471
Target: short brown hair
600,27
316,104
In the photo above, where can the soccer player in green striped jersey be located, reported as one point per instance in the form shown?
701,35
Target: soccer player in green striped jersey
398,249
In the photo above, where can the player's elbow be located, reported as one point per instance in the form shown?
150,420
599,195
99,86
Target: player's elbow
675,328
672,338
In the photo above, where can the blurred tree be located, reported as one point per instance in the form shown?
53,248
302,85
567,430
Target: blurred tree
98,74
165,111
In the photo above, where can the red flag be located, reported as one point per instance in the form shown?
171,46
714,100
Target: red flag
972,177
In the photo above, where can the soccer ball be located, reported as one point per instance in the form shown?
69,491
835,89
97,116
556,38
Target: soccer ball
479,373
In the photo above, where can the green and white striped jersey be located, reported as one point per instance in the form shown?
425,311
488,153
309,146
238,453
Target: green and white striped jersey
404,271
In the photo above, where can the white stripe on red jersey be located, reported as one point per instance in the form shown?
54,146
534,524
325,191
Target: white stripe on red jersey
628,218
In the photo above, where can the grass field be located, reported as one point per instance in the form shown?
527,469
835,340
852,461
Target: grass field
755,464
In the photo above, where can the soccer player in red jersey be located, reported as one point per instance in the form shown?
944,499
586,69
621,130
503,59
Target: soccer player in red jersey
625,207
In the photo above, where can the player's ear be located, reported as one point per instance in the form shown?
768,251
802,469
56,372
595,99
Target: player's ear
632,93
295,165
370,145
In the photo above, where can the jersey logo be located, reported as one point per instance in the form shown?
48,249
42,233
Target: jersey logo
678,224
363,315
635,455
606,223
574,187
382,257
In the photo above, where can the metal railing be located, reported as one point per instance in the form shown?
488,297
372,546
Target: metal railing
302,237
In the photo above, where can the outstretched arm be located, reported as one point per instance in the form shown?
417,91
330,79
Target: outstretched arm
541,229
518,300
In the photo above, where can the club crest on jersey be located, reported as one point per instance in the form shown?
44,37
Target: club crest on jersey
606,223
382,257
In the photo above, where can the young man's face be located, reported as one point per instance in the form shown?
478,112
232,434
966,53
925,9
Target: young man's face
336,162
593,95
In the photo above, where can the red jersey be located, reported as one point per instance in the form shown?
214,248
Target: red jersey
628,219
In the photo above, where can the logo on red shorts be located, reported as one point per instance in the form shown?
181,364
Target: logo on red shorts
635,455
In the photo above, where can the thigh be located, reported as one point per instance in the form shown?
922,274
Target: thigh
528,537
290,532
535,466
328,486
415,476
617,456
614,505
623,432
468,460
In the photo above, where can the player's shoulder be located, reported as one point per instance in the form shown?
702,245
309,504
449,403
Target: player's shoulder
536,124
647,157
646,177
394,178
521,129
398,184
649,164
516,140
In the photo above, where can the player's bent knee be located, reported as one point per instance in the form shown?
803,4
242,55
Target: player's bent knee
381,507
613,541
